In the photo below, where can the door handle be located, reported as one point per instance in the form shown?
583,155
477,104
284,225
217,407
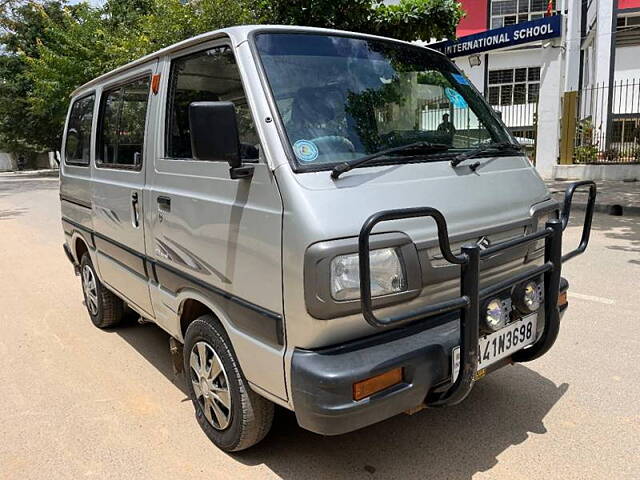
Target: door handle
134,210
164,203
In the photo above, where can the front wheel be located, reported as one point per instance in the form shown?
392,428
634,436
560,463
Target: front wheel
232,415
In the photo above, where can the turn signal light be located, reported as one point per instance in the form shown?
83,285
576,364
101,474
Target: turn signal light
368,387
562,299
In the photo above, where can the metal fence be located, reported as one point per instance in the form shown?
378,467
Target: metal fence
606,129
521,120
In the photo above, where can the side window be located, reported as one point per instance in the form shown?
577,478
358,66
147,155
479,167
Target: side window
123,114
212,76
77,147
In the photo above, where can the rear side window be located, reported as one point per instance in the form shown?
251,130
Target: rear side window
77,147
211,75
123,114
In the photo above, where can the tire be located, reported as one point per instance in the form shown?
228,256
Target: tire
237,418
104,307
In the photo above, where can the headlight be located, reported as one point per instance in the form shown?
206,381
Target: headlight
527,297
495,317
387,275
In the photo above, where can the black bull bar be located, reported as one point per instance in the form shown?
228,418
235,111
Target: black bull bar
471,296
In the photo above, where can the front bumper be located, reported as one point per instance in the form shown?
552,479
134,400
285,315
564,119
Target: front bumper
322,380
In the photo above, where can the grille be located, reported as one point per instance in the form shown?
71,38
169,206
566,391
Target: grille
437,261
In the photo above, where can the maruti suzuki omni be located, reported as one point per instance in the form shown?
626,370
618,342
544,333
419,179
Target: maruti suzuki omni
331,222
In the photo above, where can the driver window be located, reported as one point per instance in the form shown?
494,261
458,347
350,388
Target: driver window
211,75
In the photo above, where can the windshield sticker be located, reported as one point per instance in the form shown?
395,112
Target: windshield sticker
455,98
305,150
461,79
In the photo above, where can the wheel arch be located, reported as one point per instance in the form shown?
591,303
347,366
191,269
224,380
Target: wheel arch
80,247
249,351
192,305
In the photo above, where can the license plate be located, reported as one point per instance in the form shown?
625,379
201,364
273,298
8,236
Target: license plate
500,344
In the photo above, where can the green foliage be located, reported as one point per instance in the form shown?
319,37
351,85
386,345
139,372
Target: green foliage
432,78
586,154
409,20
26,123
172,20
587,150
362,107
50,47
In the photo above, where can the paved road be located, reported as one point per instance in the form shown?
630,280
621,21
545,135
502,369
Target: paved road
79,402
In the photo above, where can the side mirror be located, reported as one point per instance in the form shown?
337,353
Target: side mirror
214,135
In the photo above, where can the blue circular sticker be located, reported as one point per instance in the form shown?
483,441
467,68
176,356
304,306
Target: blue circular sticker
455,98
305,150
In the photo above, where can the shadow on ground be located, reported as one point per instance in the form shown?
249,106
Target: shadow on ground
12,213
622,228
152,343
455,442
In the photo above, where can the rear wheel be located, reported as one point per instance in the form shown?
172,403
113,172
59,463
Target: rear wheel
232,415
104,307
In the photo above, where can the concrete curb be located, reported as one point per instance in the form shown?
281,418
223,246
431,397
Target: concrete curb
611,208
30,174
614,209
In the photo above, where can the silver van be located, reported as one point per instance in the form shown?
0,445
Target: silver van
330,222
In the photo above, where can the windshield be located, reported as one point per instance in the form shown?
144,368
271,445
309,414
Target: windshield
341,98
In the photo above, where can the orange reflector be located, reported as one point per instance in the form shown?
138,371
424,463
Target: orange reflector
372,385
155,83
562,299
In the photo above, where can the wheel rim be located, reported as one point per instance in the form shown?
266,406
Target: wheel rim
210,385
90,289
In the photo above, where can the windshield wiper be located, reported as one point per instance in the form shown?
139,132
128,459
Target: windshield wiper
500,146
346,166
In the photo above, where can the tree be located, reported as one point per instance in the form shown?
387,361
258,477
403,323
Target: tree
79,47
50,47
23,28
409,20
174,20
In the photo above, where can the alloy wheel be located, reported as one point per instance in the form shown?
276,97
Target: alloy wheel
211,385
90,289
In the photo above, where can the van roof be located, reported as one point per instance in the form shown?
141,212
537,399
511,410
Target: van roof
238,34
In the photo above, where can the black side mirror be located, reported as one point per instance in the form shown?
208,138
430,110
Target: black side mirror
214,135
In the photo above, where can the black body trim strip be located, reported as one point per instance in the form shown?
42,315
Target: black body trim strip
76,226
130,260
226,295
75,201
242,313
266,325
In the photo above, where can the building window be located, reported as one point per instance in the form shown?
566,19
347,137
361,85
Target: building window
628,31
510,12
514,86
625,130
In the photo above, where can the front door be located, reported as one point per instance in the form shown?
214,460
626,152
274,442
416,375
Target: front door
211,234
118,186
